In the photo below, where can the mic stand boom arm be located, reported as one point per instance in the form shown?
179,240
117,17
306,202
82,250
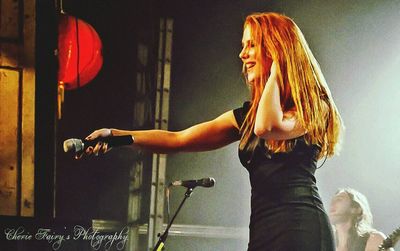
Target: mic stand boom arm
162,238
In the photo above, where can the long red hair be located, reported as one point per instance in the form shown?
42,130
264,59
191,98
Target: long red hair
302,86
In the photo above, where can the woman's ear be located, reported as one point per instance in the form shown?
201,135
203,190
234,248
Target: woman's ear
356,211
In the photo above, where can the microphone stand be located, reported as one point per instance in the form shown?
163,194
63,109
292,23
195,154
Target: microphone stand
162,238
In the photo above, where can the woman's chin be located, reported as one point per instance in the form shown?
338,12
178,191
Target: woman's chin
250,78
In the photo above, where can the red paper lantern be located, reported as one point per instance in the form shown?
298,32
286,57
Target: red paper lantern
79,52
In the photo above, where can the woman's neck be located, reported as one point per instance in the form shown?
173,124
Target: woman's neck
342,235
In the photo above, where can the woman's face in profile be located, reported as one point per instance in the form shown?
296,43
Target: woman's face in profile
340,208
248,56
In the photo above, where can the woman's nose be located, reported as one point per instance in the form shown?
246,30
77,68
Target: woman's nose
243,53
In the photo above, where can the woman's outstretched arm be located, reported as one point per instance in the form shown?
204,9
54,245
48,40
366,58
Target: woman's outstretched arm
201,137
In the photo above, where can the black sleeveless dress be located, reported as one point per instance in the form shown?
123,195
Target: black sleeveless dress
286,210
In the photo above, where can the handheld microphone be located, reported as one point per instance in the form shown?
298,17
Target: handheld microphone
78,145
205,182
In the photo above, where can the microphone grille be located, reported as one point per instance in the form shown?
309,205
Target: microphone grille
209,182
75,145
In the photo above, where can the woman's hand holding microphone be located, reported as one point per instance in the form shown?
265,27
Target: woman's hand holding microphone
101,146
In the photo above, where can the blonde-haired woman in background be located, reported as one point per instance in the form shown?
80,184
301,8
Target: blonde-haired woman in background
289,123
351,217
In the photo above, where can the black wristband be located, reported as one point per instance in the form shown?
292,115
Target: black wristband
119,140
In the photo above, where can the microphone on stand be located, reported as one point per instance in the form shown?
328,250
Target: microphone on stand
205,182
190,185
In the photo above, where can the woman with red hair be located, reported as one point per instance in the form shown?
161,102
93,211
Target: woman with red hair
290,122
